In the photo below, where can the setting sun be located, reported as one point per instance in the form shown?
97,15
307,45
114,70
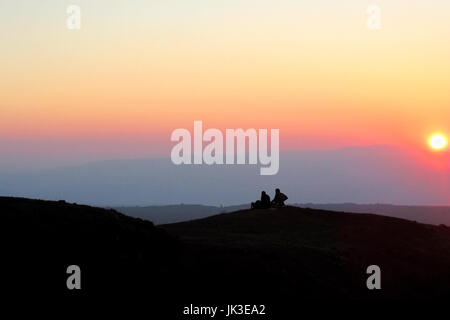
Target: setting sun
438,141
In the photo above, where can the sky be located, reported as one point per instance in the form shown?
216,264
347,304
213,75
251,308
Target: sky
137,70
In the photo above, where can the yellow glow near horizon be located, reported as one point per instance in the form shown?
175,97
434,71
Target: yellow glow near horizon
438,141
143,68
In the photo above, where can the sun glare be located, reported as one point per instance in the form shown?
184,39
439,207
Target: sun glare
438,141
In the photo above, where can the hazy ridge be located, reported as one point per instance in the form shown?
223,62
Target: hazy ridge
436,215
360,175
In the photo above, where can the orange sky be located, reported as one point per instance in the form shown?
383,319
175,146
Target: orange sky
136,71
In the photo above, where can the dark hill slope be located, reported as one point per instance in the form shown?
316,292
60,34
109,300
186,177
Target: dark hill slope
40,239
242,257
294,252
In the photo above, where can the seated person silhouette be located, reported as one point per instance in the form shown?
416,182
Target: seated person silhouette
279,199
264,203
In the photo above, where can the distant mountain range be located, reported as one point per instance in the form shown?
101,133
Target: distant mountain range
424,214
183,212
375,174
176,213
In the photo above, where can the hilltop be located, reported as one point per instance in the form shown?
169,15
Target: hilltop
259,255
314,253
115,252
436,215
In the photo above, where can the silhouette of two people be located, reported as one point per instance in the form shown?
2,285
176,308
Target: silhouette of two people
265,203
